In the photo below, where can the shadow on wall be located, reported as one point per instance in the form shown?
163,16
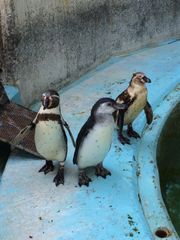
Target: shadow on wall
50,43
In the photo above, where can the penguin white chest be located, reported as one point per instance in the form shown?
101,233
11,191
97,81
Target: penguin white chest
96,145
50,140
137,106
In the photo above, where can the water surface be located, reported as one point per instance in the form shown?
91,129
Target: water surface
168,159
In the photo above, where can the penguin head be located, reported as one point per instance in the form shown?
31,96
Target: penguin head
139,78
50,99
106,106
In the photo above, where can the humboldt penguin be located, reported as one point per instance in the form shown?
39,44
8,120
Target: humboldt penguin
135,96
50,136
94,139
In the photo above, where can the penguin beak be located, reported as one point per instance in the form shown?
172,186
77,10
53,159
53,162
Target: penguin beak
119,106
147,80
45,103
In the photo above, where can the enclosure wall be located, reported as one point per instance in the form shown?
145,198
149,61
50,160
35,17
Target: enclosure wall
50,43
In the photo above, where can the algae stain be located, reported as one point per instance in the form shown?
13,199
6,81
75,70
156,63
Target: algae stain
134,229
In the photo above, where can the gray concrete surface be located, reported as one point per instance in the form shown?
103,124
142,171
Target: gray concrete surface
51,43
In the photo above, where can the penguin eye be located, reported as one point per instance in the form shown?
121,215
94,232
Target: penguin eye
109,104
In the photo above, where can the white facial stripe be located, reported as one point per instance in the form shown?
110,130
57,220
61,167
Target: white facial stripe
44,99
50,102
44,95
56,96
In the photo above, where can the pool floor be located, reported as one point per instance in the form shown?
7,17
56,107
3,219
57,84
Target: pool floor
31,207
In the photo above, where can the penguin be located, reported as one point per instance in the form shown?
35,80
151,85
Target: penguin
135,96
50,137
95,138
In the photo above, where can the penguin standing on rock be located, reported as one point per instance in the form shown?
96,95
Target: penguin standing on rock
94,139
50,137
135,96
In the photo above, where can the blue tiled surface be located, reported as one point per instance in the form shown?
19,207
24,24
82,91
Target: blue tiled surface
31,207
13,93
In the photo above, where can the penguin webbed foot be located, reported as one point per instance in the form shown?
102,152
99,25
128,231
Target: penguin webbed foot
132,133
84,179
123,140
48,167
101,171
59,178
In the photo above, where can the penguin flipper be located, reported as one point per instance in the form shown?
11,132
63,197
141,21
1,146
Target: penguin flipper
65,124
149,113
80,138
120,123
125,98
119,118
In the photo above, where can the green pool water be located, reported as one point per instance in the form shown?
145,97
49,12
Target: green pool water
168,159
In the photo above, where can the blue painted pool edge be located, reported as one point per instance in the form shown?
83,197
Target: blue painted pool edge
148,177
140,179
13,93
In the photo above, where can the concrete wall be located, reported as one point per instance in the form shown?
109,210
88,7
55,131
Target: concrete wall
50,43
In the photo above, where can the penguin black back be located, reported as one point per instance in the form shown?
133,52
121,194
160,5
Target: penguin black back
82,134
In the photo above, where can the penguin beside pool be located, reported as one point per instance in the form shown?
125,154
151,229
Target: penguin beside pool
94,139
50,137
136,98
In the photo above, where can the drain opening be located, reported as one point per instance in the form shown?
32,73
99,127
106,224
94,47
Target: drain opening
162,232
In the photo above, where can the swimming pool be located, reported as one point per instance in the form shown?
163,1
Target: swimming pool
168,156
